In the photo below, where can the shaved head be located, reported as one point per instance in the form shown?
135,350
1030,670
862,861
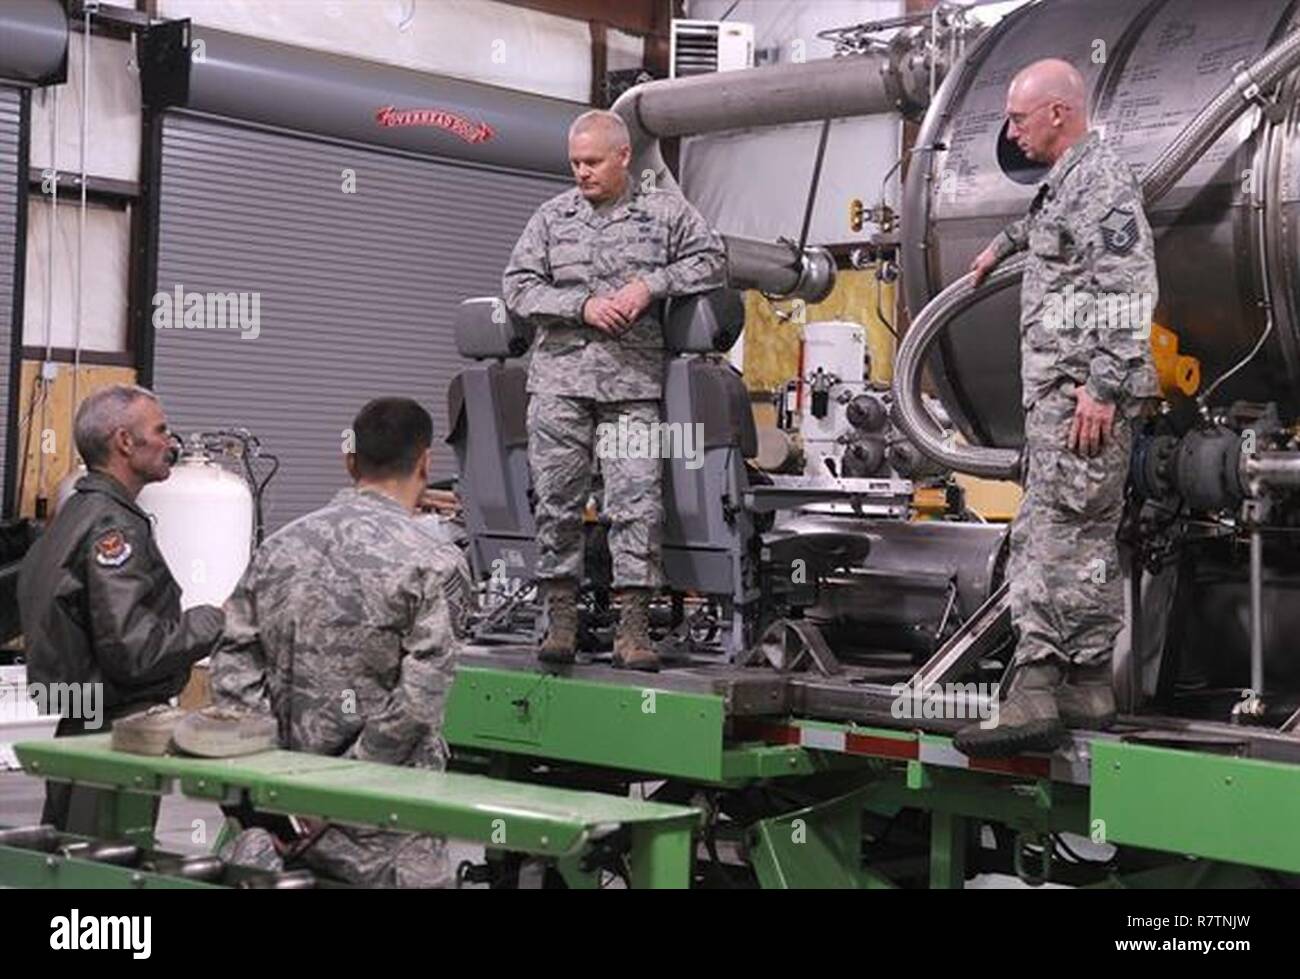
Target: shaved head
1047,109
1053,79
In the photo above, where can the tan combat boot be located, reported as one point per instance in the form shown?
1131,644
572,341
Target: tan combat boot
1027,720
225,732
561,596
632,647
1087,698
148,732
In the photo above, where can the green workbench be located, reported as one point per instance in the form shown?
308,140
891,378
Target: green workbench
515,816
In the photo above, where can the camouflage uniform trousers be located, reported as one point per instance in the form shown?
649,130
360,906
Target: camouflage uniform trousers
364,858
375,858
1067,598
255,848
562,442
379,858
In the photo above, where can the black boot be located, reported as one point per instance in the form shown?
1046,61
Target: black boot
1087,698
1027,719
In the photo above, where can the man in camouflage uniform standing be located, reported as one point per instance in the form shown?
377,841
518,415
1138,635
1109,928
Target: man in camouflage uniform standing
591,269
345,627
1089,292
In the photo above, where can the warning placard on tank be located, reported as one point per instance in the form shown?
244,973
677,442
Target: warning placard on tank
1180,61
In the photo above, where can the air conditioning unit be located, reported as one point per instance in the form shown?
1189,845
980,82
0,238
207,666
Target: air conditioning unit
702,46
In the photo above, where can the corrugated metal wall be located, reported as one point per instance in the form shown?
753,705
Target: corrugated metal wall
356,289
10,248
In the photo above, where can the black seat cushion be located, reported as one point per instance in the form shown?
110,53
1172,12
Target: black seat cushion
721,402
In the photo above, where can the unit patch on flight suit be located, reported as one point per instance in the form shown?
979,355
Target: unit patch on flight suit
112,549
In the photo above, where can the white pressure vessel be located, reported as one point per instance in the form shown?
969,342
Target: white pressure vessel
203,522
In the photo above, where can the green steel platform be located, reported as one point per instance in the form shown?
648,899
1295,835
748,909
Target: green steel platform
736,765
1199,815
514,816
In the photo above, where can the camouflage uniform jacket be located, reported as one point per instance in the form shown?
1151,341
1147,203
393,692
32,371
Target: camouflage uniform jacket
570,251
1090,285
345,626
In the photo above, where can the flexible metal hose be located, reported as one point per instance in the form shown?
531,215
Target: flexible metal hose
910,413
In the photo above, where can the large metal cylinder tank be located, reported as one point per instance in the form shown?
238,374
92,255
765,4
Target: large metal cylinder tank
1150,65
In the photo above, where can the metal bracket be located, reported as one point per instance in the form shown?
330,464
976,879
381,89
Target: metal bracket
1291,724
1021,855
505,609
1251,91
974,638
788,643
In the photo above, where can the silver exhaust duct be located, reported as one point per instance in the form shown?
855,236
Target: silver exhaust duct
893,78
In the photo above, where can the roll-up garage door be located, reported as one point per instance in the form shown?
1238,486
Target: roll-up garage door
351,259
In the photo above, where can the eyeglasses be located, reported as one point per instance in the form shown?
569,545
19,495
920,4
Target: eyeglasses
1020,118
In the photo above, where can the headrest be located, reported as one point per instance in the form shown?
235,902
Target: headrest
710,321
486,330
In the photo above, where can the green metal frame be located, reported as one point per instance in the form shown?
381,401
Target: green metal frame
1221,807
516,816
1197,819
664,733
541,714
687,736
817,846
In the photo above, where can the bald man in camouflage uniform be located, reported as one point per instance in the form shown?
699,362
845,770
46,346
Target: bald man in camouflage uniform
591,270
345,627
1089,292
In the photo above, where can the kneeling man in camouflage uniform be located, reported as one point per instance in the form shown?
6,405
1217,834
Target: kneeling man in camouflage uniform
591,270
345,627
1086,304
